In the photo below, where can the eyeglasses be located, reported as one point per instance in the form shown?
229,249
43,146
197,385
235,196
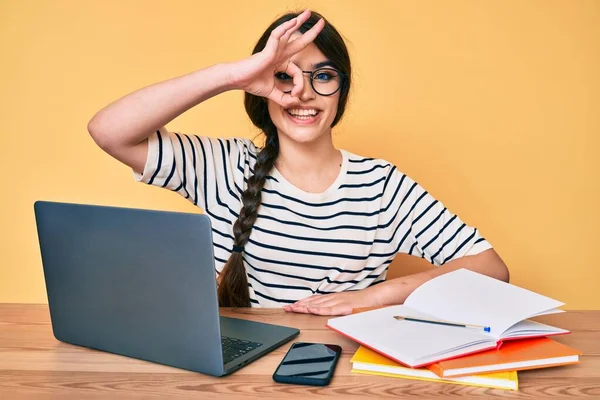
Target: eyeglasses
324,81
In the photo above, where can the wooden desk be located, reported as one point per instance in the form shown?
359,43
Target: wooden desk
34,365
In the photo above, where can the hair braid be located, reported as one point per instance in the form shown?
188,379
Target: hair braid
233,286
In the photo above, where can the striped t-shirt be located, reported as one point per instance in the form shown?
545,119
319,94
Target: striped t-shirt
308,243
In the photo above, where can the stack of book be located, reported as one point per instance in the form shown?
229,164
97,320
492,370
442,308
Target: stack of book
461,327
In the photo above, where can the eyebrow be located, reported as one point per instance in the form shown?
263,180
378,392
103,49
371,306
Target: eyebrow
322,64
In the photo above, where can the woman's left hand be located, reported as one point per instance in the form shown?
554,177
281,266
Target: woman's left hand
333,303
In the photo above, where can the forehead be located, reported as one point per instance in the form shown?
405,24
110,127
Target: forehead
308,57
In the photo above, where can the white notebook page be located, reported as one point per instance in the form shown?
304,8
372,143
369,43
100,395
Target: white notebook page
468,297
407,341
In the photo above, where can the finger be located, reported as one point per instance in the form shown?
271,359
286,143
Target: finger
298,78
284,28
320,310
290,30
307,37
281,36
327,304
342,309
321,300
318,298
299,20
283,99
298,309
276,34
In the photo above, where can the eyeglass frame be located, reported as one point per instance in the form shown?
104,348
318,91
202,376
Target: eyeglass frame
341,74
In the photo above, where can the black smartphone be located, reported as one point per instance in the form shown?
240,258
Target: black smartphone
308,364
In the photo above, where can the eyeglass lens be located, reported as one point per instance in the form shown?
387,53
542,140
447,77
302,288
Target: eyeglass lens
325,81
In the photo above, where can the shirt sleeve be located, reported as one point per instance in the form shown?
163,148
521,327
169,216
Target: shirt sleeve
209,172
422,226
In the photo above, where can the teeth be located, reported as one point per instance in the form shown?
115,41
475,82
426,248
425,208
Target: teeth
297,111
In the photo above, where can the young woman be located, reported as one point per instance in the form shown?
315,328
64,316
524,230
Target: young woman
296,223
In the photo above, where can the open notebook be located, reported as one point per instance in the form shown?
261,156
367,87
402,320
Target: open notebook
460,296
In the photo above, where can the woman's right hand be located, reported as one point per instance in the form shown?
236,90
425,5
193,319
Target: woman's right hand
256,74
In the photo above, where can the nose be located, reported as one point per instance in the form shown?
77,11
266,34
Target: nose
307,92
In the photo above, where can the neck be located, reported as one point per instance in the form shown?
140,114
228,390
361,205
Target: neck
307,159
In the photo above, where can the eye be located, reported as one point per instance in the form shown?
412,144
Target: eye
282,76
325,75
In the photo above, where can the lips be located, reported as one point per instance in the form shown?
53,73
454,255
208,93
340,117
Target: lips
303,119
303,115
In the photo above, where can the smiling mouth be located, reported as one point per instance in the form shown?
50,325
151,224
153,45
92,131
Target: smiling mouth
303,114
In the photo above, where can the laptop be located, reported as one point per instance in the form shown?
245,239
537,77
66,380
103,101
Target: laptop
142,284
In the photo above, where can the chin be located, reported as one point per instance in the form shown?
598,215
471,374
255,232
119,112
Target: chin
304,133
298,137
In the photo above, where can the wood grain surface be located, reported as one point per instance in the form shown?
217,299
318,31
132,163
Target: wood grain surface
33,364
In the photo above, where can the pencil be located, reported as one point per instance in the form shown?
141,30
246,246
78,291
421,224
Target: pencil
446,323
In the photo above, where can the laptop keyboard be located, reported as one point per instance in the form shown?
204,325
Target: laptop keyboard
234,348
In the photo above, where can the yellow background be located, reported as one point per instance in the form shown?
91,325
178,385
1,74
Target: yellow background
491,106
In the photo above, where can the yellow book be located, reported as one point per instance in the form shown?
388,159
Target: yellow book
366,361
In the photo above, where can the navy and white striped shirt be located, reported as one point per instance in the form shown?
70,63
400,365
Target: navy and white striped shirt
305,243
